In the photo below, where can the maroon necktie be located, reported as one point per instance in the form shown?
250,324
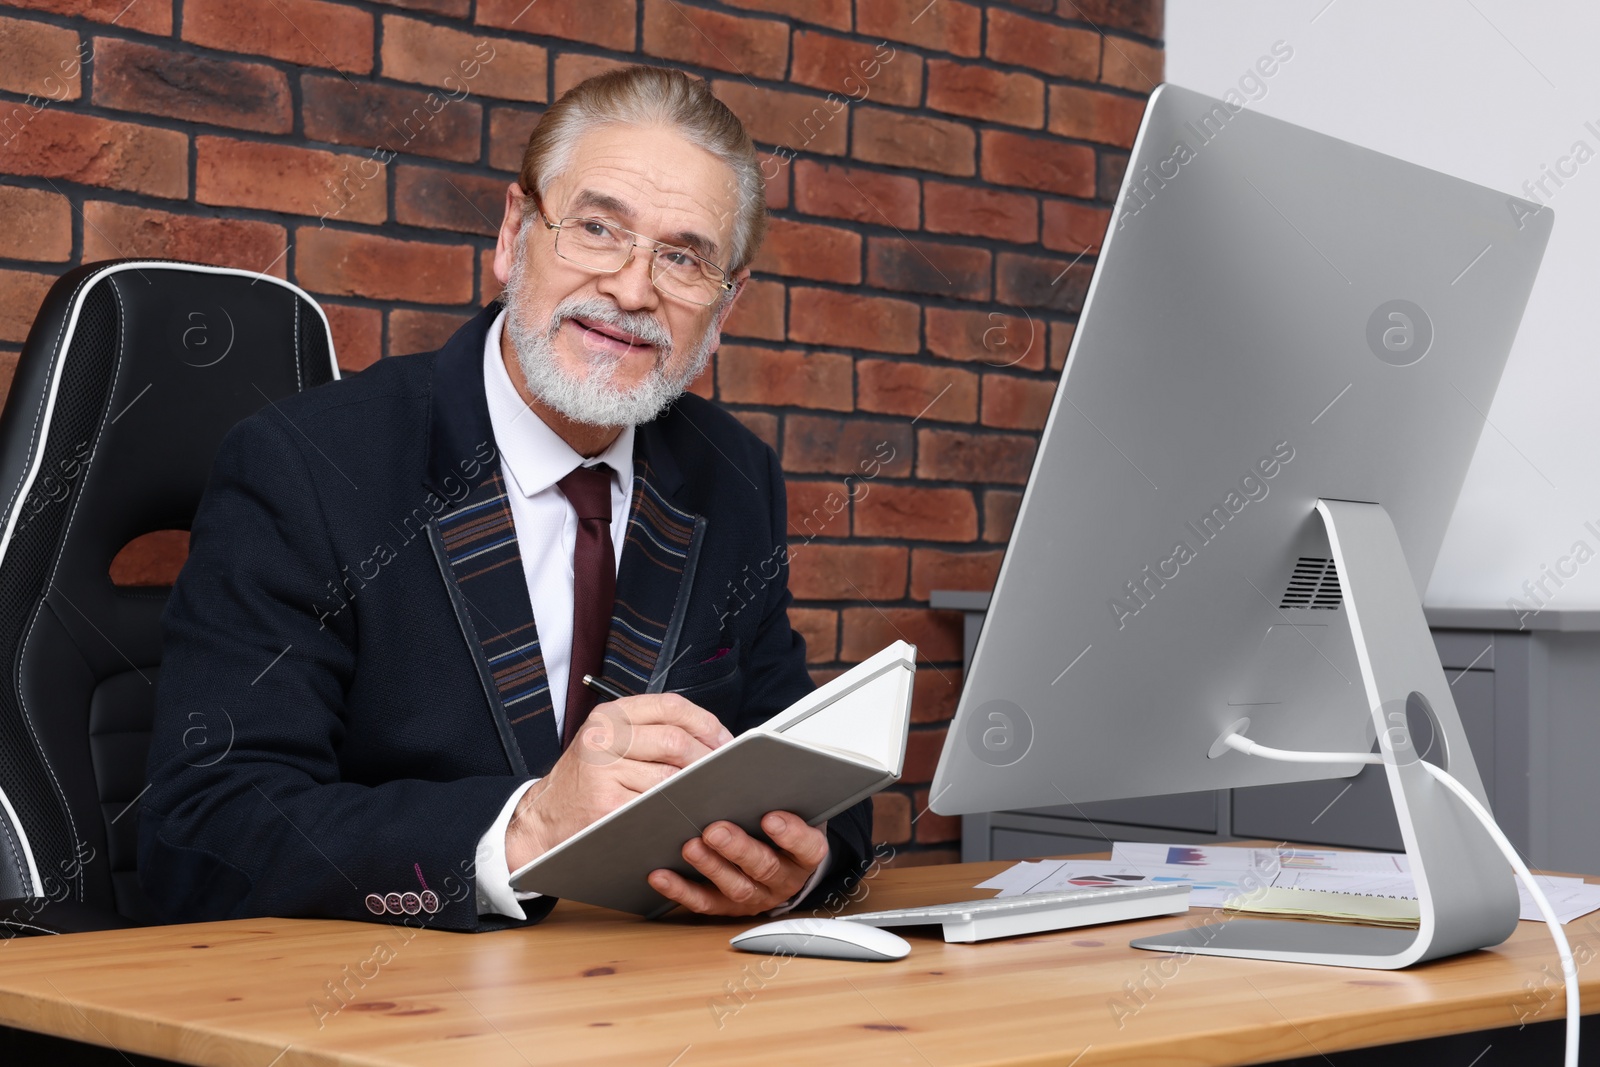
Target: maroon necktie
594,588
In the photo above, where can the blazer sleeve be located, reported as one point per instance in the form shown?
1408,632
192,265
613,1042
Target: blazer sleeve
246,813
779,678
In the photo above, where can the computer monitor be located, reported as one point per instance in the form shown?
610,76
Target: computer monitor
1285,358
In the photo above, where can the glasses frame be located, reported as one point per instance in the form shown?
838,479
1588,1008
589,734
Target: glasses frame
718,274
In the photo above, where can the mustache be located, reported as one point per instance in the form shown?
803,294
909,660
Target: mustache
604,313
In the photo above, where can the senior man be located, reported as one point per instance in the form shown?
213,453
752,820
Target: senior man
397,581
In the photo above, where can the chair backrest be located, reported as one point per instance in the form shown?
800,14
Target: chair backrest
131,374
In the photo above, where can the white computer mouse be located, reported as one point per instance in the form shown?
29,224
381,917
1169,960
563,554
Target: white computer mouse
829,939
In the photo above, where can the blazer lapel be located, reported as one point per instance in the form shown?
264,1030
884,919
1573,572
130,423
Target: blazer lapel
475,545
656,574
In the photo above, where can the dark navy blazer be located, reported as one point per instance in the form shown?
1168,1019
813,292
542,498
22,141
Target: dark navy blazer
351,685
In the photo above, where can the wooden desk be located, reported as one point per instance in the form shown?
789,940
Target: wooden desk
594,987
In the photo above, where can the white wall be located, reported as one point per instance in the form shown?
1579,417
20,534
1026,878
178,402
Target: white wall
1497,92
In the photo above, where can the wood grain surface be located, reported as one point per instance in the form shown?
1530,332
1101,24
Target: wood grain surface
592,987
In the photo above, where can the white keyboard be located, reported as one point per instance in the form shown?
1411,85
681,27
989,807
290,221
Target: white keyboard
1031,913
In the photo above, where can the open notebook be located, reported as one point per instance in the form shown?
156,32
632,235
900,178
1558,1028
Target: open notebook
839,744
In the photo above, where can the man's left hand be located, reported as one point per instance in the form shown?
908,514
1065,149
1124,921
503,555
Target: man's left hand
747,876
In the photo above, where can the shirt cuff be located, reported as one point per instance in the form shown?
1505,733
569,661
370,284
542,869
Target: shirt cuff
811,883
495,895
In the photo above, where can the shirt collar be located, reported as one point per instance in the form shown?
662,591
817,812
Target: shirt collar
533,454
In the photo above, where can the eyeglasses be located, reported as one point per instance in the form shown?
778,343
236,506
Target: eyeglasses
599,245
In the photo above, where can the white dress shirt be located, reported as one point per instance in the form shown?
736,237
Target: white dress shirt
533,458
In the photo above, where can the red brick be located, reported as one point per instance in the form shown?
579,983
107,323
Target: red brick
944,26
934,695
980,212
959,272
819,509
448,200
40,60
312,33
343,263
937,568
57,143
867,630
820,628
824,317
1144,17
999,514
572,68
158,81
607,23
763,424
488,285
758,312
1040,283
775,173
984,93
805,250
1035,163
954,456
820,444
900,140
891,818
1074,228
38,225
390,119
796,121
1109,173
931,827
1093,115
459,63
713,39
1016,403
853,193
835,13
821,571
790,378
113,230
21,294
922,759
281,177
146,16
941,394
859,70
1060,343
1131,65
920,513
357,335
1061,51
998,338
454,8
421,331
509,130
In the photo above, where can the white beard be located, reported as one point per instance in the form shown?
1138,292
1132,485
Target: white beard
594,398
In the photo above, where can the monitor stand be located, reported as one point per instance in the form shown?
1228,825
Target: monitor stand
1465,890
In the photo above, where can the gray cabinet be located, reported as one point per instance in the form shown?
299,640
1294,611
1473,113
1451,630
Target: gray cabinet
1529,701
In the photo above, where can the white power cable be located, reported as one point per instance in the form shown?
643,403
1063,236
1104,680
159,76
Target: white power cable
1569,969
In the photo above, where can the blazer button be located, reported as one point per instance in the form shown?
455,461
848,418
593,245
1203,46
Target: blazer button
410,903
430,902
392,903
375,904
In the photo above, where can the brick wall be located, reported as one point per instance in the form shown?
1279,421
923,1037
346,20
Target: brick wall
940,176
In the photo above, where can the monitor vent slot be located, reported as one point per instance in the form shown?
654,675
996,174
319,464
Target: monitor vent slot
1314,584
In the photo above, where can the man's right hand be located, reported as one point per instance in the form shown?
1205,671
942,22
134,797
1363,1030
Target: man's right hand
623,748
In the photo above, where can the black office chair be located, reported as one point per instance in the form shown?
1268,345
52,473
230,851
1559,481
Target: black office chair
131,374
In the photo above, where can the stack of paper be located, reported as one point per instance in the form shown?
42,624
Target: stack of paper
1327,884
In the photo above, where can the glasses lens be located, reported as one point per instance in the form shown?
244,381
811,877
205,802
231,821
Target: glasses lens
593,243
682,274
